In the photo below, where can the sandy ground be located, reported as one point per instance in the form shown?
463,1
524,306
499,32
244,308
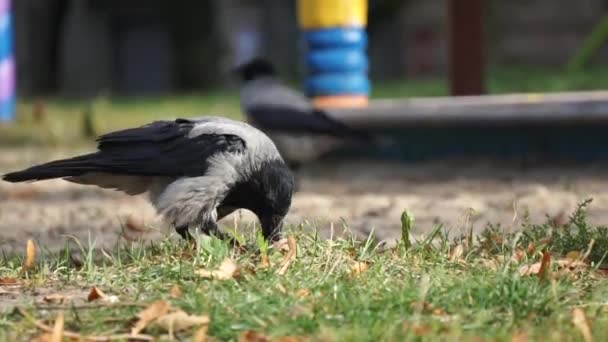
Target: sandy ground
368,196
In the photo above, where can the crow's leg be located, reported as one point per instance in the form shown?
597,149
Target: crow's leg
184,232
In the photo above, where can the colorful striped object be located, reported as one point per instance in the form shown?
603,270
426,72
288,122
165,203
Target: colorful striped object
7,63
336,60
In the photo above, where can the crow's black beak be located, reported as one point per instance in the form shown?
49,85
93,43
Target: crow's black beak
271,227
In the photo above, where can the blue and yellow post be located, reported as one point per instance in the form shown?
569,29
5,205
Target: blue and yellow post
335,55
7,63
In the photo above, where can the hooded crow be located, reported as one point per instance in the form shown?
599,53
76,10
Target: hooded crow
196,171
301,132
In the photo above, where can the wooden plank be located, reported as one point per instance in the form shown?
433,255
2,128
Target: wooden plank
489,110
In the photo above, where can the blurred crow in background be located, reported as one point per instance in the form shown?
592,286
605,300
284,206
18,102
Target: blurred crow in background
196,171
301,132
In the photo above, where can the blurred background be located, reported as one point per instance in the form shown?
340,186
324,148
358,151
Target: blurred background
86,67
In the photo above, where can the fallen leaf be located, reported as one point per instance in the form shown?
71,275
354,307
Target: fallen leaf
438,312
289,339
149,314
227,270
175,292
201,334
417,329
301,293
289,257
281,288
359,267
45,337
9,281
97,294
545,266
518,255
252,336
30,259
265,262
580,321
519,337
77,337
456,253
57,334
54,298
531,248
179,321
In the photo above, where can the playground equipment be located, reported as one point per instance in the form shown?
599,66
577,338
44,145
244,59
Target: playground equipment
7,63
336,58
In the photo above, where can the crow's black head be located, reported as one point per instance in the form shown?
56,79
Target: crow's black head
277,185
255,68
267,193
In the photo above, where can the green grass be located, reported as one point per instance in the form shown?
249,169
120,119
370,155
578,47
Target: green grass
62,121
422,291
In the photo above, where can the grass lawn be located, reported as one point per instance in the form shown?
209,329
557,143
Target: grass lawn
56,121
544,283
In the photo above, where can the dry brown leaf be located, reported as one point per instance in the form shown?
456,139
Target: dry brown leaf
289,257
97,294
545,266
227,270
564,266
57,334
78,337
417,329
531,248
301,293
54,298
179,321
289,339
359,267
438,312
9,281
519,337
265,262
580,321
252,336
45,337
175,292
518,255
30,259
456,253
150,314
201,334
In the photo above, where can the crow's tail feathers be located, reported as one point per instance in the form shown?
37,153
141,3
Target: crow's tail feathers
56,169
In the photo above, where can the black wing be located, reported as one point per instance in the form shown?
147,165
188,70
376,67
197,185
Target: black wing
161,148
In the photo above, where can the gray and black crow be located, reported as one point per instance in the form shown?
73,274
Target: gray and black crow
301,132
196,171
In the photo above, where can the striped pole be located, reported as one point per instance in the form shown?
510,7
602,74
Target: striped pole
7,63
335,55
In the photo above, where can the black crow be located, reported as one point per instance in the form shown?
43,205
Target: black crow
301,132
196,171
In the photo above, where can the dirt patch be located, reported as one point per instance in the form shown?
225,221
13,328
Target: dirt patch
368,196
